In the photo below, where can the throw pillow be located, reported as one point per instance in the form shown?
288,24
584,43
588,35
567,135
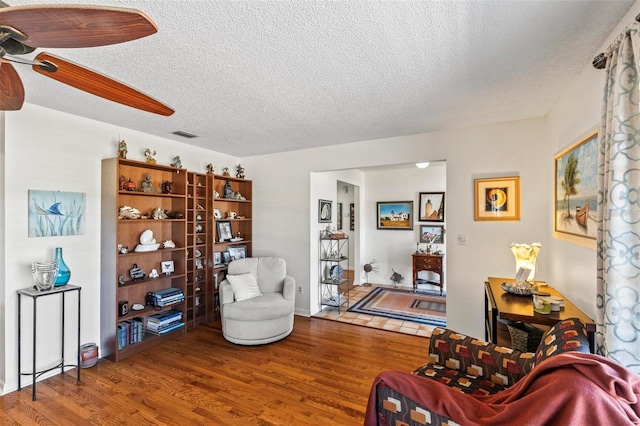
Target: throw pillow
244,286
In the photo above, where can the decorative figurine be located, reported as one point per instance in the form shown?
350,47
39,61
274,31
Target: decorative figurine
169,244
127,212
216,194
177,163
396,278
123,249
154,273
227,190
167,187
210,170
136,273
121,279
130,185
147,242
225,172
159,213
123,183
149,156
122,149
147,186
239,172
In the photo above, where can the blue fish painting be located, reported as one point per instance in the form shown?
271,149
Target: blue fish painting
65,214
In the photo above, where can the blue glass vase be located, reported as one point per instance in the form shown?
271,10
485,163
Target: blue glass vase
64,273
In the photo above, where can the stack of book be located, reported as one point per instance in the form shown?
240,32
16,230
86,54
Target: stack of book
164,322
168,296
130,331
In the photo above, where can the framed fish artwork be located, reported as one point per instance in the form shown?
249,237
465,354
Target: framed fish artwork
56,213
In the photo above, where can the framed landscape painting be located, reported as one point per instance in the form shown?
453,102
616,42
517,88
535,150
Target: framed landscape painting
431,207
432,234
497,199
576,188
395,215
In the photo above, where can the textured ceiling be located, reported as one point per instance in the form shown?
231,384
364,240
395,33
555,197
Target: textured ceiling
259,77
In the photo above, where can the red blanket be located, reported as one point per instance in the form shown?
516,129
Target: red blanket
568,389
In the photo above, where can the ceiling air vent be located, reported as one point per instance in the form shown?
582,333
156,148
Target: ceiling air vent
185,134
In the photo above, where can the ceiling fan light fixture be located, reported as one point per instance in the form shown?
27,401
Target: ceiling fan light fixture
422,165
185,134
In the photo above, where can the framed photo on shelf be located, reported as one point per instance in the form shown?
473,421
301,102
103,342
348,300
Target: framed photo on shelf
226,258
324,211
431,207
497,199
167,267
395,215
217,214
576,193
217,258
432,234
224,230
237,252
339,216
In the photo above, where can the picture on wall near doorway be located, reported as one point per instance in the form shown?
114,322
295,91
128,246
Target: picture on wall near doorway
56,213
395,215
324,211
576,188
339,216
352,217
432,234
431,207
497,199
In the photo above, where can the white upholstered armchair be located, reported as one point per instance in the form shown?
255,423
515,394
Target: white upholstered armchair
257,301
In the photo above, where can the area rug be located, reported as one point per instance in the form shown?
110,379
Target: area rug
423,308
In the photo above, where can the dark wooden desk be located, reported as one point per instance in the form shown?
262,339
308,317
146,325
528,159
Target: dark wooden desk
428,262
499,303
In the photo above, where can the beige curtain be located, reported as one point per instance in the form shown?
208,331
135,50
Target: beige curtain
618,252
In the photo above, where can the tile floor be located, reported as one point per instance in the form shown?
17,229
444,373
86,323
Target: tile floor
357,293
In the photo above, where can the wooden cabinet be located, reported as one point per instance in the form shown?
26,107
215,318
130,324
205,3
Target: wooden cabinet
235,200
428,262
117,284
199,262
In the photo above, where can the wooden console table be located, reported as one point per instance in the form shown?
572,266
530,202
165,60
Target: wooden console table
428,262
499,303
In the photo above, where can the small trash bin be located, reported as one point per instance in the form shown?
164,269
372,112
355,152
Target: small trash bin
88,355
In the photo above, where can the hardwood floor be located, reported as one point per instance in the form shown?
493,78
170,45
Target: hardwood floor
321,374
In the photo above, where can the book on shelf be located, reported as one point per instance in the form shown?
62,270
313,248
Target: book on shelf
164,317
164,330
130,331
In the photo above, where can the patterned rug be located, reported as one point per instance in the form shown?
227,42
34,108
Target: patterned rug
423,308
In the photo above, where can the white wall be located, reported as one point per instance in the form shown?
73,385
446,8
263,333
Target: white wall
498,150
49,150
392,249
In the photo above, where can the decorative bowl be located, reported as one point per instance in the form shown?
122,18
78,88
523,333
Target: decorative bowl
519,289
44,274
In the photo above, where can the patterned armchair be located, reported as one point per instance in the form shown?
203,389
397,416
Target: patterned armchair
473,367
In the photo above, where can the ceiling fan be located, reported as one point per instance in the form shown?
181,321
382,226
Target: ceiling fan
25,28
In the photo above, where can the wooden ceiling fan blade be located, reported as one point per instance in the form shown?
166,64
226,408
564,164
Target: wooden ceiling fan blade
76,25
97,84
11,88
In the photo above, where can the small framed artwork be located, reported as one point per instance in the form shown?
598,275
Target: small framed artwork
237,252
395,215
167,267
224,230
352,217
432,234
431,207
324,211
217,214
497,199
226,257
217,258
339,216
576,192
